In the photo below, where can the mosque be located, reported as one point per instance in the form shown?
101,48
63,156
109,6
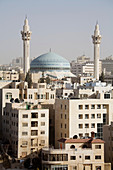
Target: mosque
51,64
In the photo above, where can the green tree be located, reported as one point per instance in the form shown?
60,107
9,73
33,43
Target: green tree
101,78
47,80
28,79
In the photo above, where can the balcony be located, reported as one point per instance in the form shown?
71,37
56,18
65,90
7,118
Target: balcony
34,115
34,124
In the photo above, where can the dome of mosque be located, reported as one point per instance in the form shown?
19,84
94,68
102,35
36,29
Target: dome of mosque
49,62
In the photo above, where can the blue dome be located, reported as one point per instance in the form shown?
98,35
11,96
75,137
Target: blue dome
49,62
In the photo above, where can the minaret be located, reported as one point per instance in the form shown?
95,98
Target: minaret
26,36
96,41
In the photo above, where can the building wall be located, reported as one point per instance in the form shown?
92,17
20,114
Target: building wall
108,137
75,158
91,116
25,132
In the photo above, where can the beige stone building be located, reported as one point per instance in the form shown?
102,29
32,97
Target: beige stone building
9,75
26,127
81,116
19,90
76,154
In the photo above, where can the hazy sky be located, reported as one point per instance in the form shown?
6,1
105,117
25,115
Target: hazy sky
65,26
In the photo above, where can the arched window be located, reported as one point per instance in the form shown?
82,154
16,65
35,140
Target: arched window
8,95
72,147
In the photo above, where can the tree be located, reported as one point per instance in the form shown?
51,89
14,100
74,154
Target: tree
27,163
47,80
101,78
28,79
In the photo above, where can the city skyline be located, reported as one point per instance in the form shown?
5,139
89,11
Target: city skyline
64,26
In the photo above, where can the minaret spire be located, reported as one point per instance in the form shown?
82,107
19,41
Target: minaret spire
96,41
26,36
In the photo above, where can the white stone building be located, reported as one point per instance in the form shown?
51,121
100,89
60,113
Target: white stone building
9,75
87,68
81,116
76,154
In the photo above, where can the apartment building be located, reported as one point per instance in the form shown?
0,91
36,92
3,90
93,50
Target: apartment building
9,75
20,91
75,154
26,127
86,68
81,116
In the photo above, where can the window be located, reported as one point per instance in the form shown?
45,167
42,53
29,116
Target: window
25,116
41,86
98,106
86,106
98,167
61,106
24,133
92,106
8,95
72,147
34,132
47,96
42,142
74,167
42,123
80,107
80,135
65,135
61,116
65,107
86,125
72,157
98,157
42,114
65,126
99,115
80,116
92,116
30,96
104,106
61,125
24,142
24,154
61,135
106,96
34,115
42,132
65,117
80,126
93,125
34,124
87,157
97,146
86,116
87,134
41,96
25,124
